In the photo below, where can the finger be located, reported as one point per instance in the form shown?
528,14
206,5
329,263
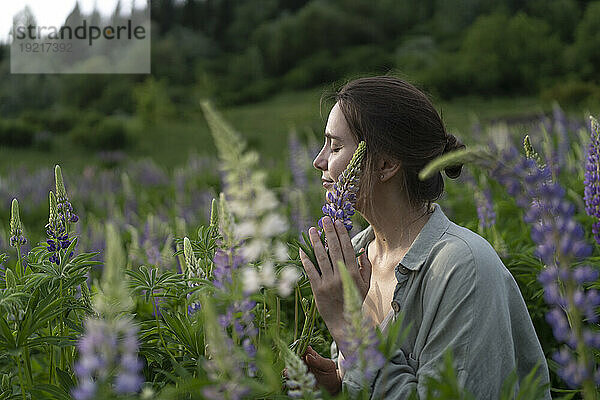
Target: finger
320,363
320,252
335,249
311,270
345,242
310,350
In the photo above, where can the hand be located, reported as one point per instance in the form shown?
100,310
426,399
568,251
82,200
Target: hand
324,370
327,288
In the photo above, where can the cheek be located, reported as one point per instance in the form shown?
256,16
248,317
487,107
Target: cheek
337,164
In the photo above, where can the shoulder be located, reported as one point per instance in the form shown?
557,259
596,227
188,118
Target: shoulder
462,251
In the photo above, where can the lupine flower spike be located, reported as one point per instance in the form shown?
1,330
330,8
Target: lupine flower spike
65,209
340,205
530,152
573,307
191,270
16,229
55,229
108,357
300,382
361,350
16,235
592,179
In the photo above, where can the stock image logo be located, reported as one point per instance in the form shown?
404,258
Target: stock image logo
84,44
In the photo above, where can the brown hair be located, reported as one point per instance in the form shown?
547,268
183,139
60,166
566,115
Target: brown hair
397,120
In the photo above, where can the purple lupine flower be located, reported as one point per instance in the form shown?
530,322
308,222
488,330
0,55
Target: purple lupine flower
341,202
559,241
230,391
57,234
225,261
108,348
227,373
560,127
592,179
485,208
297,155
296,166
147,173
240,318
364,352
63,205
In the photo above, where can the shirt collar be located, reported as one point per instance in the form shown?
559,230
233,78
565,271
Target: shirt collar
421,247
432,232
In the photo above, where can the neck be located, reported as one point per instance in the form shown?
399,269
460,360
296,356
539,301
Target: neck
395,224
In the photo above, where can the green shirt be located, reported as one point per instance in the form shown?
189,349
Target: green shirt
456,293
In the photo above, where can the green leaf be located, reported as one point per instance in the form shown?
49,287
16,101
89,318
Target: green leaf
393,338
6,334
11,282
65,380
42,390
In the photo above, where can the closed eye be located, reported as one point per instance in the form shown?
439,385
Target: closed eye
336,150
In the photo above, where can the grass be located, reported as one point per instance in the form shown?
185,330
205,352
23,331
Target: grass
265,125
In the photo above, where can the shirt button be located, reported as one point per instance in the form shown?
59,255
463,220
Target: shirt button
395,306
403,270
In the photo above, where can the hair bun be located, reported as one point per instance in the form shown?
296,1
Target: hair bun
452,144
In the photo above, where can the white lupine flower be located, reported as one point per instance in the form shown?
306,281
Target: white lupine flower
253,205
267,274
300,382
245,229
265,201
253,249
250,279
273,225
287,279
280,251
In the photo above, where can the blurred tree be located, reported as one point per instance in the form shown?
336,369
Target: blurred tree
451,17
164,13
561,15
503,54
585,54
152,101
317,26
247,15
190,16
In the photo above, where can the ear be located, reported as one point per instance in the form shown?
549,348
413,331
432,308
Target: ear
387,168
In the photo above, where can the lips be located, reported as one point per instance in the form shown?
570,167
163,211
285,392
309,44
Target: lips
327,183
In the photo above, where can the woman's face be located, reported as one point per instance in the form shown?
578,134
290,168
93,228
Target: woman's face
338,148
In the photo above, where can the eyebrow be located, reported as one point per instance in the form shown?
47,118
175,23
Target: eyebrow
330,136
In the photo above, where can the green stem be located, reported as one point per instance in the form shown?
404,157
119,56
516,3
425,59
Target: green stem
264,310
21,377
28,367
51,347
307,328
162,339
278,312
20,270
296,312
62,326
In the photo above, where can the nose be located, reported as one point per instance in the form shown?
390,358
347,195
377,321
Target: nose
320,161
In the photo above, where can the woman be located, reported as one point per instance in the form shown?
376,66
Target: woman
450,284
